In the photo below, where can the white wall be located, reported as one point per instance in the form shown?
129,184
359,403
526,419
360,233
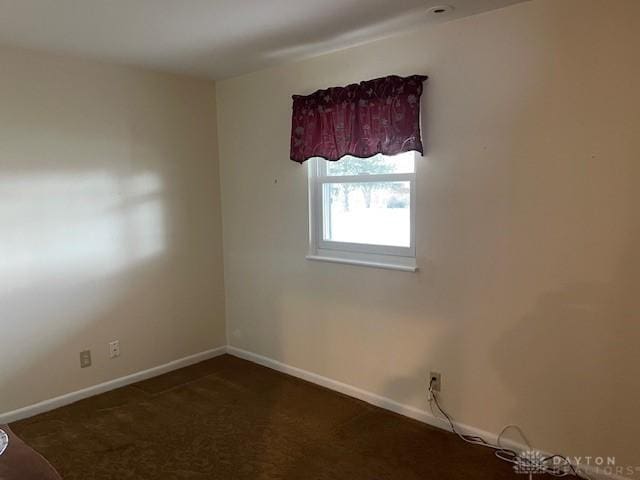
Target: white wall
109,222
528,229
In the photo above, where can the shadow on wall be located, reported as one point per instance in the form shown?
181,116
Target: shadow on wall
562,300
569,368
570,364
573,347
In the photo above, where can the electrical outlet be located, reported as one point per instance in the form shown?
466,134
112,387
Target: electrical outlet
85,358
435,381
114,349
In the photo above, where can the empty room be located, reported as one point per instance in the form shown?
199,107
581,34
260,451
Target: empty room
324,240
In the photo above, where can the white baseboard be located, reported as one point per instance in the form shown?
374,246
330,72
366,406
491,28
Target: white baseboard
355,392
346,389
72,397
397,407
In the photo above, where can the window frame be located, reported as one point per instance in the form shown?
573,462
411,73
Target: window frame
384,256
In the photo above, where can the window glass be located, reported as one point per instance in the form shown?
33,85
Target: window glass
376,213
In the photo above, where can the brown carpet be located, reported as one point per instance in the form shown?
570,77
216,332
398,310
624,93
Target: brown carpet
230,419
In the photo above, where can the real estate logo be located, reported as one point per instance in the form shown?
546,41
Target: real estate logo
530,462
534,462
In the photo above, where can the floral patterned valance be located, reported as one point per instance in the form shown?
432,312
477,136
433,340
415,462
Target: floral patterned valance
362,120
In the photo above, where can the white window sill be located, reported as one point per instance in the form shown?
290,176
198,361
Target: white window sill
404,264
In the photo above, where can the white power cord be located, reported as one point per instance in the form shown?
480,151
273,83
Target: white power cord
555,465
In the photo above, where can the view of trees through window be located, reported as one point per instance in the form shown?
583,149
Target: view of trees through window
370,206
361,166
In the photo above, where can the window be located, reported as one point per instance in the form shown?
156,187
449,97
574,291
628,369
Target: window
362,211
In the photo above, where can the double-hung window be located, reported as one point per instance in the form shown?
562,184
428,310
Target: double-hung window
362,211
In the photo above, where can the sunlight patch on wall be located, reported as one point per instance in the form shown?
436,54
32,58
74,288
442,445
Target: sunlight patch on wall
92,224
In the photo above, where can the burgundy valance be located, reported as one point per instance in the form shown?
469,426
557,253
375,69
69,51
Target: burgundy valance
362,120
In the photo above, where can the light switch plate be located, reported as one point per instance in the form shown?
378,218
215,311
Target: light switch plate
85,358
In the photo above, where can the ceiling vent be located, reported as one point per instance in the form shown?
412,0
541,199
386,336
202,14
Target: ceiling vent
440,10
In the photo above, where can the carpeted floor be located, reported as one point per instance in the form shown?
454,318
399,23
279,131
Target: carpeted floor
230,419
